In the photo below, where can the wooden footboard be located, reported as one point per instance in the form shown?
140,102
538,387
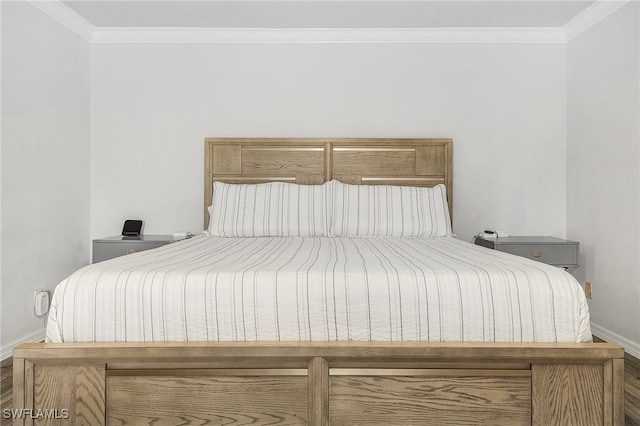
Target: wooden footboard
319,383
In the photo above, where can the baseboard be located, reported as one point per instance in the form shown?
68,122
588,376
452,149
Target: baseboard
7,350
630,347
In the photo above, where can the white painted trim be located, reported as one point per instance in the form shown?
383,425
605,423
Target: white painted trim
35,337
327,35
66,16
69,18
591,16
630,347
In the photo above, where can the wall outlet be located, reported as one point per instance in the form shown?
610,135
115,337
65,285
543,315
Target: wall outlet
41,302
588,290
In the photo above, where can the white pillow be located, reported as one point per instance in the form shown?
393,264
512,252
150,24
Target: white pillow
274,209
390,211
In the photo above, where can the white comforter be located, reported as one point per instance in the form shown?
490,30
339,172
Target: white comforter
323,289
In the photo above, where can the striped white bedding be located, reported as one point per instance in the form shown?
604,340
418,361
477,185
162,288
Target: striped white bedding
322,289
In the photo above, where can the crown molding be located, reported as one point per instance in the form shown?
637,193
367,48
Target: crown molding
67,17
590,17
74,22
327,35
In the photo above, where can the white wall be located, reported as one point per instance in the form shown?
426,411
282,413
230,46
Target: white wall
603,163
45,163
504,105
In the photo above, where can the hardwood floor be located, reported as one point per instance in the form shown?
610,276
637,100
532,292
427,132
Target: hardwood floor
6,391
631,389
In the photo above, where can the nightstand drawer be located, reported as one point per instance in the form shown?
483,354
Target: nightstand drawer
554,254
108,248
554,251
104,251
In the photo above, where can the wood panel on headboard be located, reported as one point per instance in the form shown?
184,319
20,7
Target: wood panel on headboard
412,162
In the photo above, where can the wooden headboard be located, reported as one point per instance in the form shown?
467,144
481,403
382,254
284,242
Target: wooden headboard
414,162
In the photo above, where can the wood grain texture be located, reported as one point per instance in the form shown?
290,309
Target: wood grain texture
568,394
402,400
78,389
431,160
227,160
631,390
274,160
319,391
222,400
375,162
19,392
617,391
608,390
28,386
447,352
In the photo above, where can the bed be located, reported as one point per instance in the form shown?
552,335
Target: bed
311,317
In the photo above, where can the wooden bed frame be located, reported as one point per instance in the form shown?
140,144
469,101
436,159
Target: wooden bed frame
321,383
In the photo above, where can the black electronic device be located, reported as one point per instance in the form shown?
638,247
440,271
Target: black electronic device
132,228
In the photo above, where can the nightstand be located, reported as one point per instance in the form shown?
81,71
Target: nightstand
110,247
551,250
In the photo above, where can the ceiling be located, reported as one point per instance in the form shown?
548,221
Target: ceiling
328,13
